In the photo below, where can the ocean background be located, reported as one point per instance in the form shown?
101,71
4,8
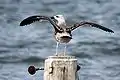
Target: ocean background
97,51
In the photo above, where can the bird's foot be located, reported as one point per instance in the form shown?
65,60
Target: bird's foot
56,54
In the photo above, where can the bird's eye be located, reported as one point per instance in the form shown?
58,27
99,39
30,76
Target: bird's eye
57,16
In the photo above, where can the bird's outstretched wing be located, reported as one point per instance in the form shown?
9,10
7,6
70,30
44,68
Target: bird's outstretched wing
35,18
90,24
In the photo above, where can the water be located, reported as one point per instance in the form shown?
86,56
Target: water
98,52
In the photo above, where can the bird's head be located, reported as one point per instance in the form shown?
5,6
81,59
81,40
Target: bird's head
58,19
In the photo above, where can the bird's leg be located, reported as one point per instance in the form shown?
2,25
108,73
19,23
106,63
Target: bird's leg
65,49
57,48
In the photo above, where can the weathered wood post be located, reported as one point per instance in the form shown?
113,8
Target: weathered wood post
60,68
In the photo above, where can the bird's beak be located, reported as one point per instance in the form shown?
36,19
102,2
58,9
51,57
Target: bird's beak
52,17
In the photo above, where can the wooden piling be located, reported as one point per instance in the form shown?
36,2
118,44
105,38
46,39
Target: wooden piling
60,68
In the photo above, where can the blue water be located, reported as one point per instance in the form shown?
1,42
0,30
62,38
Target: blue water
97,51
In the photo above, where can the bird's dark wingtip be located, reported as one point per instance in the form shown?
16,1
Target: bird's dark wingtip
21,24
29,20
111,31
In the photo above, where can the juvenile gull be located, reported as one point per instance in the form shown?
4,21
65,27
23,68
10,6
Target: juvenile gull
62,31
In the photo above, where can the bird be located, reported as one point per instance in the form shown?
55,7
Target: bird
62,31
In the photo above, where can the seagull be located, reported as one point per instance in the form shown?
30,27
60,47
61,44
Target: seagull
62,31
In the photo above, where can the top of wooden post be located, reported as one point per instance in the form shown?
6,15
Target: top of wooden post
60,67
61,57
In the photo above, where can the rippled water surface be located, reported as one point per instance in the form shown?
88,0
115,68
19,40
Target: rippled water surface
97,51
